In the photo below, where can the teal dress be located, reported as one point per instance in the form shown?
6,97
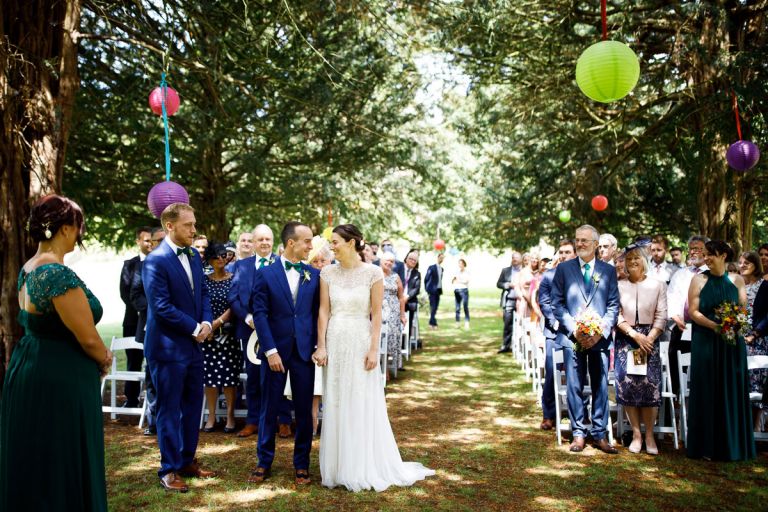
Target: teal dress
719,415
51,427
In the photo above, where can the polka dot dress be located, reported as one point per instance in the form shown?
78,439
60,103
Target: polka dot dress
222,357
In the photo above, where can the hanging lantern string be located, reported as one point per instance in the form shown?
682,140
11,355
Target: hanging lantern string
736,113
604,17
164,87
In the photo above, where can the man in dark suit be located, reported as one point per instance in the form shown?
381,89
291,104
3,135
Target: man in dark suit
239,299
506,283
586,284
178,320
565,252
433,284
285,303
131,319
411,288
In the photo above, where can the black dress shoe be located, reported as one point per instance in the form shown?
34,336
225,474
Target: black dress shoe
504,350
150,431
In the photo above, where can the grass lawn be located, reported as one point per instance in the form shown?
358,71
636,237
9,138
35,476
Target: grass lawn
466,412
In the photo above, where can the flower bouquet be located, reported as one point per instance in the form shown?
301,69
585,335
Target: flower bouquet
587,324
733,319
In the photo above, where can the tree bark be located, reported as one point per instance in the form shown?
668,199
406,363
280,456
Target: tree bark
38,84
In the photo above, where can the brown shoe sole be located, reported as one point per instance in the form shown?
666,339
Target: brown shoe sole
258,477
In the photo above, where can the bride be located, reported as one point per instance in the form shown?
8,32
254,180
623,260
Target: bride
357,446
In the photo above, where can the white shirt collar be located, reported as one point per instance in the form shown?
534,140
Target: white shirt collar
142,256
172,245
582,263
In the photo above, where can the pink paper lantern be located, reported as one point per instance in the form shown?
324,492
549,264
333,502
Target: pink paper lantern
599,203
156,101
439,244
163,194
742,155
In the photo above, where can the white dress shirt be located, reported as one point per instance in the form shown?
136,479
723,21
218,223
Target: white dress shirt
184,260
660,271
293,278
677,293
249,317
591,268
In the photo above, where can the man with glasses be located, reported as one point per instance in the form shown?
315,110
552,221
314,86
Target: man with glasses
608,248
677,301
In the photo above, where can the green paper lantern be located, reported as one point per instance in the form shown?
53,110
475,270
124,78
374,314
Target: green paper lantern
607,71
565,216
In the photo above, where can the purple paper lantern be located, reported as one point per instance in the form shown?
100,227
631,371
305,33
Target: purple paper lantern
164,194
742,155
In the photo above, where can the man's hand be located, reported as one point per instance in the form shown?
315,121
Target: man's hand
205,330
588,342
320,357
275,363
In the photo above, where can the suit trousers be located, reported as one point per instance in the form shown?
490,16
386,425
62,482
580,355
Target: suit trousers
675,344
134,358
179,388
434,303
577,363
509,321
272,396
548,389
253,393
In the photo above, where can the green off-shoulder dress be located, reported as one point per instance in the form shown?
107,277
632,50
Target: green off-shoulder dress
51,427
720,415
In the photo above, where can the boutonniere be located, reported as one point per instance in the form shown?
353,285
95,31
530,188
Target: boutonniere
596,278
307,276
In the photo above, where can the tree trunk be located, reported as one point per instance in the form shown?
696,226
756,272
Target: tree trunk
38,84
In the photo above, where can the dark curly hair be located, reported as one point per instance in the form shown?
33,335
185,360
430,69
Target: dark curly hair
351,232
50,213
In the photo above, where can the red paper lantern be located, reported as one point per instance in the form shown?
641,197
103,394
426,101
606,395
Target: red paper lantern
439,244
172,101
599,203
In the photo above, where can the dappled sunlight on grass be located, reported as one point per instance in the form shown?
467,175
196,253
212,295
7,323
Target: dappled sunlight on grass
217,449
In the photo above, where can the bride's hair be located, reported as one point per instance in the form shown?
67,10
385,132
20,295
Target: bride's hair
351,232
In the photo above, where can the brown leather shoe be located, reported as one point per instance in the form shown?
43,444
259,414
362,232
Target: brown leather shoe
577,445
194,470
259,474
285,431
302,477
173,482
248,430
605,446
547,424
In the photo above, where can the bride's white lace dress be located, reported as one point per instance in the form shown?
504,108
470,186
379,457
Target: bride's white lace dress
357,446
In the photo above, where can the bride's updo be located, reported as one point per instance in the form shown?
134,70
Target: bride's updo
351,232
50,213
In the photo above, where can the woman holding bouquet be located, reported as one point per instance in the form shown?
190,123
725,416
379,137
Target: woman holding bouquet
720,416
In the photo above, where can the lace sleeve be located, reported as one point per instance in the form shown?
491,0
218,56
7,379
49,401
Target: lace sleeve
376,274
326,273
49,281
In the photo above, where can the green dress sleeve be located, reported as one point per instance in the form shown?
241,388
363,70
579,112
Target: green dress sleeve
49,281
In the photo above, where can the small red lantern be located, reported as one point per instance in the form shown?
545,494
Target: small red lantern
599,203
172,101
439,245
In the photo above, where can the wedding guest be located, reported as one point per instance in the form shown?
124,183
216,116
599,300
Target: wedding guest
523,283
506,283
319,257
394,309
200,244
642,319
660,269
621,269
134,358
412,287
433,285
719,412
751,270
677,301
676,254
608,248
399,268
222,356
763,252
368,255
244,245
461,293
375,249
52,458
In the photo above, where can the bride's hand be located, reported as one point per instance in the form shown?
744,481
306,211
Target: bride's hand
320,357
371,359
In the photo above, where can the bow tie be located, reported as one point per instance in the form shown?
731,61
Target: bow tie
289,266
184,250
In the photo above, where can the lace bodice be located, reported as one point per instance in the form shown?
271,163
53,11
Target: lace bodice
350,289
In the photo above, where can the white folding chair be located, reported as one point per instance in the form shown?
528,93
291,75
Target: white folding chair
667,396
758,363
414,330
683,376
124,376
383,352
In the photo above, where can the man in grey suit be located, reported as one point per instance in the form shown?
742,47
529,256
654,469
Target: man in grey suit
579,285
506,283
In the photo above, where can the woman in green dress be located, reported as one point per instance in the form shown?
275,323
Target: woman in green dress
51,430
720,415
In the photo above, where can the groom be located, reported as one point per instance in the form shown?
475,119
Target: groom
582,284
285,303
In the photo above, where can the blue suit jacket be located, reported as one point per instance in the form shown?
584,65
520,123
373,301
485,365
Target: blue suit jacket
279,322
545,304
570,295
432,284
239,296
173,308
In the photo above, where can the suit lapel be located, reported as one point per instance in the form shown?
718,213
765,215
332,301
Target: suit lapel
595,284
176,264
282,281
576,269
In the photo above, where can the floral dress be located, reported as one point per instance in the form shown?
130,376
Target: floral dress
758,347
391,317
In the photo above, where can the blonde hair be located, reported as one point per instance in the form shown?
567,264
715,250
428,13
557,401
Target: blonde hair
173,211
643,258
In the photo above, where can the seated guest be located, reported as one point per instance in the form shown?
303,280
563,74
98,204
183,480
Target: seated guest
751,270
642,318
763,252
394,308
720,417
221,353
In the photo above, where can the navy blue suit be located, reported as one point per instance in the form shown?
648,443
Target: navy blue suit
550,335
174,310
569,296
433,284
292,330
